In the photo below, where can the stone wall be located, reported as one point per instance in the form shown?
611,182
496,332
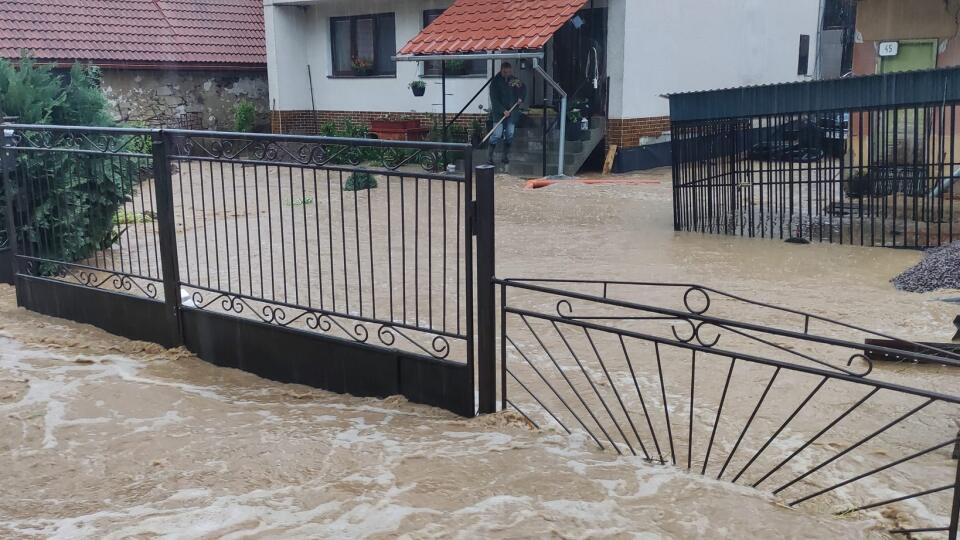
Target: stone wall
196,99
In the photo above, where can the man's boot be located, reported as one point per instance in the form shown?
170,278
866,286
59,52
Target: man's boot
506,153
491,150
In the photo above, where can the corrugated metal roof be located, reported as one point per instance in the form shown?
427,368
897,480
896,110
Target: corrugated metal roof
905,88
227,32
493,25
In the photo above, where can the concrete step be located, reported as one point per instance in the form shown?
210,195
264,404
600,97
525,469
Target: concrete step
536,121
553,136
526,156
480,156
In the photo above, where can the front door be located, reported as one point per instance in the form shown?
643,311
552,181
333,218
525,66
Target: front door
579,59
911,55
901,147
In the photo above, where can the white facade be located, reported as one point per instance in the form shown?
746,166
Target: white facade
659,47
653,47
298,34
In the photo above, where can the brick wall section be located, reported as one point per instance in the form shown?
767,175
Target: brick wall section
626,132
303,123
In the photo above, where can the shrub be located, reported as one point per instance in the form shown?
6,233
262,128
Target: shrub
360,181
244,116
80,198
140,144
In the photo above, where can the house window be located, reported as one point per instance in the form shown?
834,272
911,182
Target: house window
363,45
455,68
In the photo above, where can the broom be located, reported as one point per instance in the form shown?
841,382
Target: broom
498,124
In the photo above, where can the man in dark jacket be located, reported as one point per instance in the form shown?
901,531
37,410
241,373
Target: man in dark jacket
504,95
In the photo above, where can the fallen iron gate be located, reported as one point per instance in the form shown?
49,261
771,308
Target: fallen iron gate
345,264
784,405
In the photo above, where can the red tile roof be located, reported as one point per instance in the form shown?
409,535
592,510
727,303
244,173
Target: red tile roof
492,25
106,32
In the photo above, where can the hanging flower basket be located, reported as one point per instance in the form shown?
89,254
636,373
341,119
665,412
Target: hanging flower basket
418,87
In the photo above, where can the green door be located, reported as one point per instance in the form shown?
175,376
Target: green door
911,55
902,149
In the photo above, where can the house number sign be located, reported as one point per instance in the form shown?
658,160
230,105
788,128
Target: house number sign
889,48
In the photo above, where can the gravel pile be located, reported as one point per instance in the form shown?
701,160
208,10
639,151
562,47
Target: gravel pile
939,269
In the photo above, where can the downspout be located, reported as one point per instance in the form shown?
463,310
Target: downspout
563,114
816,61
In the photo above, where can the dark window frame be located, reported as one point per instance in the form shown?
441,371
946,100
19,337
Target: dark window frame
431,68
803,58
353,19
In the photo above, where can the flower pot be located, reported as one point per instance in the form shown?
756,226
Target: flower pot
418,91
574,133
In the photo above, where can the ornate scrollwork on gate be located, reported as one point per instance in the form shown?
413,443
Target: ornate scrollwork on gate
310,153
93,278
100,142
325,322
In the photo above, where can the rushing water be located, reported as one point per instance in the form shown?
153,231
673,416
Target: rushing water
104,437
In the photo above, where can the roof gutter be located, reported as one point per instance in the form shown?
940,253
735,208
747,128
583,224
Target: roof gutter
468,56
158,66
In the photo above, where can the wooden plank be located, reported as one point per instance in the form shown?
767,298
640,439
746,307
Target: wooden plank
608,162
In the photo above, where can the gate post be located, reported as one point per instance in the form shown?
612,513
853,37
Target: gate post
486,312
8,163
163,185
952,531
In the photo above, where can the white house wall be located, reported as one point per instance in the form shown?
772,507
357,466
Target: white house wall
300,35
682,45
654,47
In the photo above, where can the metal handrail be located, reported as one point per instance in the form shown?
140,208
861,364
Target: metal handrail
464,109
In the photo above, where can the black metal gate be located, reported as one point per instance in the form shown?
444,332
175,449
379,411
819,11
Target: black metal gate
866,161
345,264
779,403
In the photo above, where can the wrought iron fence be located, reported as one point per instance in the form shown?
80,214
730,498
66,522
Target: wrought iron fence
85,209
867,162
784,402
360,239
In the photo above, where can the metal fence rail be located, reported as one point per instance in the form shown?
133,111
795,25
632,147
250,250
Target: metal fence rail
883,174
787,407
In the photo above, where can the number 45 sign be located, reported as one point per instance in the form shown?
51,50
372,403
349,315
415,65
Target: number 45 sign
889,48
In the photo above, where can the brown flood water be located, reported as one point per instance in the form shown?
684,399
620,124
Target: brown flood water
108,438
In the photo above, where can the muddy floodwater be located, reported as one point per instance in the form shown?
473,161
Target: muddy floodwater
102,437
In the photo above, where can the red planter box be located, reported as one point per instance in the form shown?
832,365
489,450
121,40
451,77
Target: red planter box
394,125
398,130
